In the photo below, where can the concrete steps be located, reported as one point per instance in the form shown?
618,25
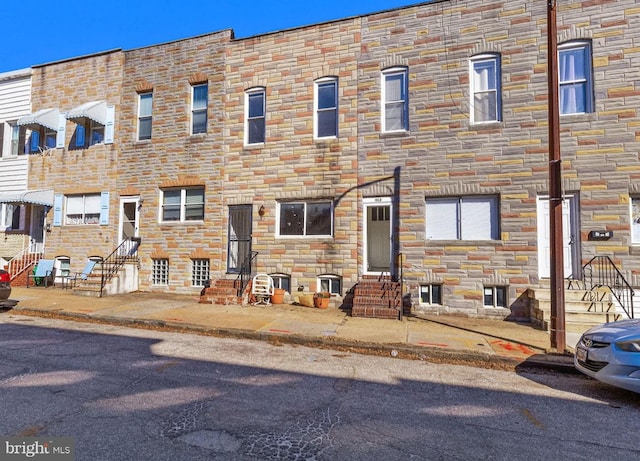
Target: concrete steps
125,281
583,308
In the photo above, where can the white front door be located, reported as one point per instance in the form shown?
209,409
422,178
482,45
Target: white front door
570,237
129,218
377,235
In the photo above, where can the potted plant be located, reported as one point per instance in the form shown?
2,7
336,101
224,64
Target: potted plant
278,296
321,299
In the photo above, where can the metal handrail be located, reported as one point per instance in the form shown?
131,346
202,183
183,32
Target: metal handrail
246,272
401,280
601,271
110,265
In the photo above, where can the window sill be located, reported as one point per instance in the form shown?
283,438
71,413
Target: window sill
258,145
181,223
394,134
479,126
464,242
320,142
634,249
304,237
197,137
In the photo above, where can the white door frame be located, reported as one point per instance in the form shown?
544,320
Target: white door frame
371,202
136,201
570,238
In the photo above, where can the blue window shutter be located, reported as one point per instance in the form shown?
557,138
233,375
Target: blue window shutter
109,127
104,208
80,136
57,210
34,142
62,129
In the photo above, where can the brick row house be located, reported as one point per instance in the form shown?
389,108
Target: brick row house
405,147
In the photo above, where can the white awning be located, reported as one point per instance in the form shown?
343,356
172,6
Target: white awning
35,197
48,118
95,110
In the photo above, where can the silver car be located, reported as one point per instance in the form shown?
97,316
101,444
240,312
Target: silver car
611,353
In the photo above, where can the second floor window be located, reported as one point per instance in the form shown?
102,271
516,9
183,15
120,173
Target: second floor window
11,139
395,115
255,108
485,89
93,129
42,139
145,110
575,79
199,105
82,209
326,108
183,204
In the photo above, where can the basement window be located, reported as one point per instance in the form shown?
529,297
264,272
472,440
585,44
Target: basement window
495,296
431,294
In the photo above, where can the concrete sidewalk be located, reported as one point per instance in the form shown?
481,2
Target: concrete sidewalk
442,338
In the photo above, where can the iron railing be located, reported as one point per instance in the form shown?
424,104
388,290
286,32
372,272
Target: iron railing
246,272
126,251
601,271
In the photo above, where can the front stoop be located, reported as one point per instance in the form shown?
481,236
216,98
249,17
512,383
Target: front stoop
124,281
377,297
223,291
583,308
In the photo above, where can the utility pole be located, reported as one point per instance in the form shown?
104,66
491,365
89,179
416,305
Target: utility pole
558,336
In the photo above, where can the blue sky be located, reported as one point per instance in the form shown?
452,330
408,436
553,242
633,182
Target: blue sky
42,31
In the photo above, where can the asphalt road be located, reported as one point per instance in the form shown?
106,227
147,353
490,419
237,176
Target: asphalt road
128,394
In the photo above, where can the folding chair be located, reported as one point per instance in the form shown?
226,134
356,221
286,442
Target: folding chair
44,273
262,288
71,280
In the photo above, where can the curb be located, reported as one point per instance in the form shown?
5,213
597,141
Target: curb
556,362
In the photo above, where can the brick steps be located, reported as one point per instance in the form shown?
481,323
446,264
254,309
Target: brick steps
223,292
377,297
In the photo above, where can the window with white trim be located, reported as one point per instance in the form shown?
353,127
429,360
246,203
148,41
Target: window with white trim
199,107
95,131
145,112
12,138
305,219
575,78
635,220
395,108
326,108
200,272
495,296
431,294
82,209
255,122
63,266
14,217
485,91
462,218
160,272
330,283
42,139
282,281
186,204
